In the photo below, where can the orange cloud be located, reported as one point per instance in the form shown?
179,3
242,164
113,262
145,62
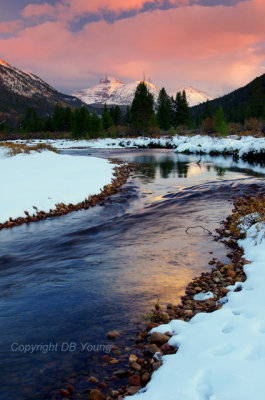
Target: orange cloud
10,26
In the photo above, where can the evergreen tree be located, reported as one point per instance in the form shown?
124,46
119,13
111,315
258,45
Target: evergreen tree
96,124
182,111
256,103
220,122
207,110
107,121
48,124
32,122
68,116
185,109
117,118
81,122
58,118
178,109
164,110
126,120
142,108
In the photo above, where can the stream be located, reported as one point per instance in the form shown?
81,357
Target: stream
66,282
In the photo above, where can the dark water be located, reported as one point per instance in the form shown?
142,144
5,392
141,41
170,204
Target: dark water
67,281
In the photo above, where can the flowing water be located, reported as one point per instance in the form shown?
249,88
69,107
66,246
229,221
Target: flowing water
65,282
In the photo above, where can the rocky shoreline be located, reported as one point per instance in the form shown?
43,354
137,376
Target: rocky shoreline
217,280
122,172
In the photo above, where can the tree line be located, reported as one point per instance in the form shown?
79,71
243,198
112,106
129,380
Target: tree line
144,115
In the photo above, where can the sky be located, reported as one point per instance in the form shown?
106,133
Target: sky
213,45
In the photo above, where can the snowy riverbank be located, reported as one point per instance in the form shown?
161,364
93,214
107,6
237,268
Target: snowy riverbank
45,179
221,355
193,144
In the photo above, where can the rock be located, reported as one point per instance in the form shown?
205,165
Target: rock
96,394
136,367
158,338
113,361
102,385
188,312
132,358
157,365
70,389
152,349
145,378
133,389
115,393
165,347
113,334
92,379
64,392
151,325
216,280
120,373
135,380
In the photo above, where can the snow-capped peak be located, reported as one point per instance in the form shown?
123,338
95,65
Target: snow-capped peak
112,90
194,96
2,62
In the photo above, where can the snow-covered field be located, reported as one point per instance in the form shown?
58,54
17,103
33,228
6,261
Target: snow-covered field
194,144
46,179
221,355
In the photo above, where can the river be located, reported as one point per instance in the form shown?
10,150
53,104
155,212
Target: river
65,282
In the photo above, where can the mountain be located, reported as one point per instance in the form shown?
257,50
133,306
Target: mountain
194,96
239,104
112,91
21,89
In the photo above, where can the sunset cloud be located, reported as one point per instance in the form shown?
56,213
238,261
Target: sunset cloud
214,48
37,10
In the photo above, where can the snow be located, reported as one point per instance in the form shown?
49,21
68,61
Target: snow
193,144
46,179
221,355
113,91
203,296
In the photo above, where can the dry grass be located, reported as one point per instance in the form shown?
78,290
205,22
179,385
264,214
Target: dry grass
247,205
21,148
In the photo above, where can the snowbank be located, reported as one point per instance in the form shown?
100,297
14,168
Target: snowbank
46,179
221,355
195,144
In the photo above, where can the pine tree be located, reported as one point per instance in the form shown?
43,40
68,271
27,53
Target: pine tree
117,118
220,122
256,103
207,110
58,118
32,122
96,124
185,109
107,121
142,108
182,111
164,110
68,115
178,109
126,120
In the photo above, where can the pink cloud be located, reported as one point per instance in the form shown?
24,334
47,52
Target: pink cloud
37,10
213,48
10,26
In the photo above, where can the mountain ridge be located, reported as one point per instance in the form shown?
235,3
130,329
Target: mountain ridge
111,90
21,89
